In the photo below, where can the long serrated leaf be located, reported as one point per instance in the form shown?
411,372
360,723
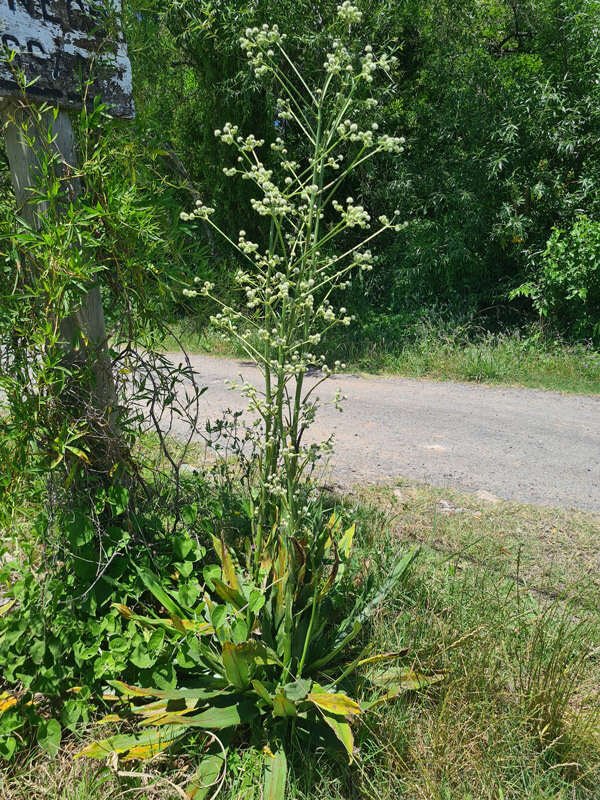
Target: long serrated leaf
275,776
152,584
338,647
227,567
342,730
219,718
207,776
138,746
379,597
236,666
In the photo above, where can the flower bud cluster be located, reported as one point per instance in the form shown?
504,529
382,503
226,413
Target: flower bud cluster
349,13
353,215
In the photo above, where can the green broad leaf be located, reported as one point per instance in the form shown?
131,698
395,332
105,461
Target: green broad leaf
142,657
49,736
8,745
275,776
37,651
218,616
184,568
207,776
70,713
239,631
236,666
139,746
262,692
183,546
229,594
189,515
209,573
342,730
80,529
152,584
156,640
256,602
118,498
282,707
298,690
164,676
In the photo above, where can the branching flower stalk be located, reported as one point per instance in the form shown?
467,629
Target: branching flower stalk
289,284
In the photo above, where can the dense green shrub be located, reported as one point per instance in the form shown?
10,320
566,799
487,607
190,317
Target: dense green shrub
568,288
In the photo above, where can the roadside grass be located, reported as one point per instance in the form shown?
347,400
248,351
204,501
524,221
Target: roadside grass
439,352
544,550
502,603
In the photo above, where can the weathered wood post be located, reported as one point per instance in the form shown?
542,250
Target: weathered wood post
54,44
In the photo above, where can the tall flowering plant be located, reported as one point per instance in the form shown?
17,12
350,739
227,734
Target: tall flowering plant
289,284
268,643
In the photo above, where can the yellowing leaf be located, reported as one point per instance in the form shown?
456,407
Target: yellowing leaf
226,564
335,703
383,657
406,679
109,718
282,707
345,544
236,666
140,746
6,607
7,701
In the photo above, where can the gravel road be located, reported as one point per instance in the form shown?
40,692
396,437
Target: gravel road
519,444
